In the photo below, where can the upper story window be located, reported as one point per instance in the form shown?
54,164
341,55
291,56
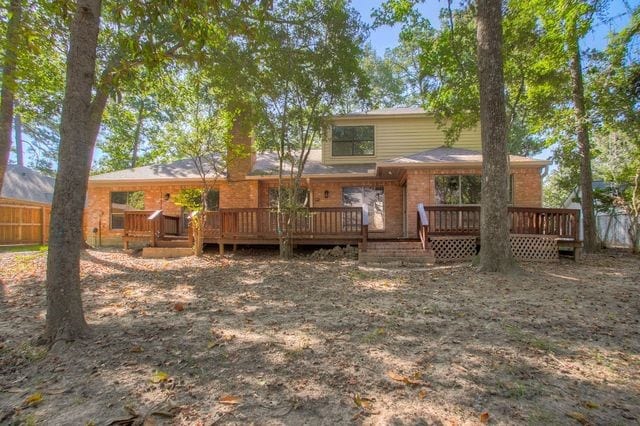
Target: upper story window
352,141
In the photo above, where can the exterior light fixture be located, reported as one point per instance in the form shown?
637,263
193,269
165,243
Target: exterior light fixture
167,196
326,194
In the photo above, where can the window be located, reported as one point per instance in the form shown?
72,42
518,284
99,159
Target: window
212,200
465,189
124,201
356,196
352,141
303,196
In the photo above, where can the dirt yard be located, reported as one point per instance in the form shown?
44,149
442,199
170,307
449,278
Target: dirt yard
251,339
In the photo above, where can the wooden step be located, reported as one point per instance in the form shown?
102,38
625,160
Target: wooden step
166,252
173,243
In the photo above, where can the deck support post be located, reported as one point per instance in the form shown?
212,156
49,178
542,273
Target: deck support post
365,237
221,248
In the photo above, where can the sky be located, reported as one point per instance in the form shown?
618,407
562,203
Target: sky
386,37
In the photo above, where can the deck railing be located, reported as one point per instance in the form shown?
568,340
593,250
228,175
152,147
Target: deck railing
264,224
465,220
152,224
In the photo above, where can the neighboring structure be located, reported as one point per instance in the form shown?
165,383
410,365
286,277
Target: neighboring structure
25,202
388,160
612,226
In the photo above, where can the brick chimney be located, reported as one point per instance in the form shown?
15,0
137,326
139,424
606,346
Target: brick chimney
243,157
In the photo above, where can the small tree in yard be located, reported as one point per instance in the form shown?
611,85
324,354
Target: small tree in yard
204,136
312,62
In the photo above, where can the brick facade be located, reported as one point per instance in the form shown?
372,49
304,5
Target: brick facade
420,188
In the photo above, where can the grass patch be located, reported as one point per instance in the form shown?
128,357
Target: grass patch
528,339
375,335
20,249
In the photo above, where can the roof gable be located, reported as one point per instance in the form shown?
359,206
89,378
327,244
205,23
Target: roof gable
22,183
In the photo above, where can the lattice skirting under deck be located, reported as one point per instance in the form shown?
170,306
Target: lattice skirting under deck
525,247
535,248
455,248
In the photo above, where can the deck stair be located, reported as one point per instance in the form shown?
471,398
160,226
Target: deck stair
174,241
397,252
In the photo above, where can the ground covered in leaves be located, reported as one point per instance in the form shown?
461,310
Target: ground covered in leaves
252,339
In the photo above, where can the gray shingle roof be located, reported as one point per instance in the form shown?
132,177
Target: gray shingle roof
267,165
385,112
22,183
445,154
180,169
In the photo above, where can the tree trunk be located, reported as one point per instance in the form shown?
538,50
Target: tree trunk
582,132
17,124
7,94
65,317
136,135
495,251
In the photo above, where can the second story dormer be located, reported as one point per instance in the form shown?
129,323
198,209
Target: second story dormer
383,134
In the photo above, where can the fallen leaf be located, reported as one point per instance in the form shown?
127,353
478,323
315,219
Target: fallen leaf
137,349
230,400
579,417
406,380
395,376
159,377
484,417
591,405
33,399
422,394
362,402
178,307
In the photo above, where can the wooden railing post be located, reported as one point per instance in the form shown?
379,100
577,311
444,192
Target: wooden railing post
423,225
365,226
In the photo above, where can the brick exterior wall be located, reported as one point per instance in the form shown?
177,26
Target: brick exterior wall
97,211
527,188
239,167
420,188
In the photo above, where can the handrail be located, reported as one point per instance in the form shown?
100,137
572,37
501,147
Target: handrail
154,215
465,220
423,225
314,222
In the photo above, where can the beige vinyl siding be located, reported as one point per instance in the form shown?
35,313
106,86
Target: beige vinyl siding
396,136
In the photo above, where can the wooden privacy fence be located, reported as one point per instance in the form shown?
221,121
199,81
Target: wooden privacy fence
21,224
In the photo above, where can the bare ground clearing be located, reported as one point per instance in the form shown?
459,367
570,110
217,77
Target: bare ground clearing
252,339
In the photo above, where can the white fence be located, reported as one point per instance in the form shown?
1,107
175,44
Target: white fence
612,230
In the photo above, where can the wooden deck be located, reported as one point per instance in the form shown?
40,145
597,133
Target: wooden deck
561,225
313,226
342,225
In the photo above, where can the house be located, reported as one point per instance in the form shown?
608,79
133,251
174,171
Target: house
380,164
25,204
612,225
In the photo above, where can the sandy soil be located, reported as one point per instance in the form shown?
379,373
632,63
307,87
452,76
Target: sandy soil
251,339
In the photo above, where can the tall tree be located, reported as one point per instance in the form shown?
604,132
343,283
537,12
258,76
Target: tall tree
65,317
7,94
495,246
590,235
